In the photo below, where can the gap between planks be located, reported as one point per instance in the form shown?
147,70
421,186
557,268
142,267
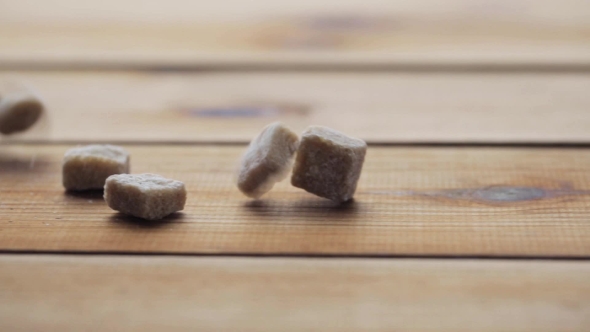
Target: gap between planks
297,256
516,68
500,145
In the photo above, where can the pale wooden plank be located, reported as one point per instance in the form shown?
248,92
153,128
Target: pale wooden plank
98,293
379,107
263,32
410,201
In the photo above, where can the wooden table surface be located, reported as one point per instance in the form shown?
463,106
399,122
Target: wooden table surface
472,212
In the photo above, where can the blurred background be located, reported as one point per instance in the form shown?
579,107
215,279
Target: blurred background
383,70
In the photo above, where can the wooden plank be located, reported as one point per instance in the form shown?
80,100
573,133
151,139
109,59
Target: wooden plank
263,32
410,201
97,293
379,107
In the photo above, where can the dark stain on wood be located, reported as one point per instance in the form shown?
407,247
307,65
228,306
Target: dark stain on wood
324,31
497,194
248,110
348,23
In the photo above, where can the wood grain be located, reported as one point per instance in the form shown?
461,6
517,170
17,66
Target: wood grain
379,107
263,32
410,201
97,293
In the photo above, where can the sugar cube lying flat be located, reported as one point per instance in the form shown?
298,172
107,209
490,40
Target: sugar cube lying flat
18,112
88,167
328,163
267,160
147,196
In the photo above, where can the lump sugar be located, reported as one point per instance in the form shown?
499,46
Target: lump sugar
267,160
147,196
328,163
19,112
87,167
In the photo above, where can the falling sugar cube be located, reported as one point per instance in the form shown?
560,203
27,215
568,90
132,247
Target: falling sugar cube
19,112
147,196
328,163
88,167
267,160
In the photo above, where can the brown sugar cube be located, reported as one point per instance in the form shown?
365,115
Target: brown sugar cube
147,196
87,167
328,163
267,160
19,112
